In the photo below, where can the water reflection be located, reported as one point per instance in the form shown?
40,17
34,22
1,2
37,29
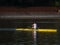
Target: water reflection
26,38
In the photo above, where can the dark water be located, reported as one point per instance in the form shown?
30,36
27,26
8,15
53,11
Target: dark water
26,38
13,37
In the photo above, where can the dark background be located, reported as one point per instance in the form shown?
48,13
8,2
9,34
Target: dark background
29,2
